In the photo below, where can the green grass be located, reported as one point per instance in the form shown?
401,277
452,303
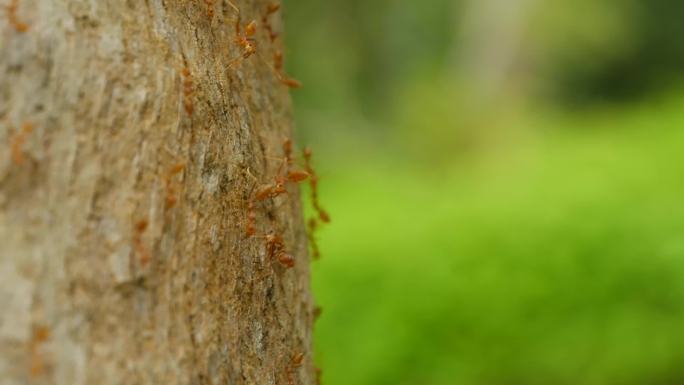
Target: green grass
558,259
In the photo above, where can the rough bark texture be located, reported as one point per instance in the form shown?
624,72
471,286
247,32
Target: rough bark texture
89,294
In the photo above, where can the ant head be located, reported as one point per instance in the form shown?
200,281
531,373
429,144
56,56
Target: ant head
250,48
250,29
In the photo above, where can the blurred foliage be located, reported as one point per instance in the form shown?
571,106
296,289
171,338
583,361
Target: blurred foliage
358,54
484,232
631,48
559,260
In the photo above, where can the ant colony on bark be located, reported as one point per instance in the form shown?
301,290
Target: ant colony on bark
287,174
245,39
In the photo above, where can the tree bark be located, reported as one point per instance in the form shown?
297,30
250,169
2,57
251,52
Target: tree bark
132,151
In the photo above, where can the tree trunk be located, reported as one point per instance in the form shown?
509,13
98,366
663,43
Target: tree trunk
134,145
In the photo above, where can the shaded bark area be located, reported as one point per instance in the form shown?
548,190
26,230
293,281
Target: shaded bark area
124,187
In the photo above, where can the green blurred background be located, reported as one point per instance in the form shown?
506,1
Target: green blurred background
505,179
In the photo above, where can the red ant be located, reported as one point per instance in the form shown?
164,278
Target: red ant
210,8
313,182
17,147
275,247
297,176
246,40
250,228
139,228
270,9
287,149
277,188
247,43
187,91
271,190
39,335
264,192
311,234
277,55
323,215
11,10
317,311
296,361
294,176
280,74
170,190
